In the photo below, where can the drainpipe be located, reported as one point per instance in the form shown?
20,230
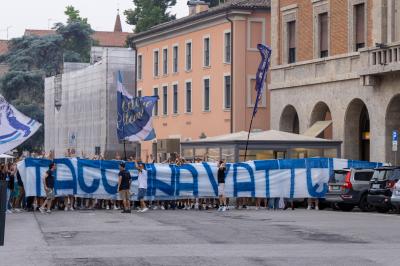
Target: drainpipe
232,43
136,71
134,48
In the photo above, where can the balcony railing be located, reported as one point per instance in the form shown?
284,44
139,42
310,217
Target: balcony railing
380,60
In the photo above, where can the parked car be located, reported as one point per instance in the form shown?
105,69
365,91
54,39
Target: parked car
349,188
381,187
395,199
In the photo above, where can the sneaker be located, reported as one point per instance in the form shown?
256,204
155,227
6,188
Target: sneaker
72,209
196,206
116,208
124,211
42,210
128,211
219,209
107,207
139,210
162,207
154,207
309,208
48,211
223,208
145,209
66,209
9,211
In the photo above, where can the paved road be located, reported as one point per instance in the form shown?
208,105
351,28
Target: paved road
245,237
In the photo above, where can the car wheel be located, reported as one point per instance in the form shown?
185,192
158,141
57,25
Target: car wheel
345,207
382,209
364,205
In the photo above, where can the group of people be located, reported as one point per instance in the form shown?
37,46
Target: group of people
17,200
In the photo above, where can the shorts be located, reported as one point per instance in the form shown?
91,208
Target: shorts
141,193
125,194
50,194
221,189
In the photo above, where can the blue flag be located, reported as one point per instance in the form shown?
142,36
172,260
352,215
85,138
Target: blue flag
265,52
135,122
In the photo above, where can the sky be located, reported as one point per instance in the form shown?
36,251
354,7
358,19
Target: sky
18,15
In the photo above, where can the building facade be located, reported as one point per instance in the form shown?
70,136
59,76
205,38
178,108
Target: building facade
336,74
203,69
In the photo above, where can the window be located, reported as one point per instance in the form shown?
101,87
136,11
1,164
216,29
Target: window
155,111
188,97
165,100
291,28
139,93
206,52
139,67
323,34
363,176
175,52
155,60
175,99
206,102
165,61
227,92
359,31
188,56
227,47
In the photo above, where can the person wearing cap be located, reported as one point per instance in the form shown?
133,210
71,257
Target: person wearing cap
124,187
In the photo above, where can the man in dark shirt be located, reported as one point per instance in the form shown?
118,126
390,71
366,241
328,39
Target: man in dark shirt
48,183
221,186
124,187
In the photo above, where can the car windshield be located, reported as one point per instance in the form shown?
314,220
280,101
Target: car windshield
381,174
394,175
338,177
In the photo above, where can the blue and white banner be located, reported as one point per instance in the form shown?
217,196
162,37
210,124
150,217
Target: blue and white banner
15,127
135,122
300,178
265,52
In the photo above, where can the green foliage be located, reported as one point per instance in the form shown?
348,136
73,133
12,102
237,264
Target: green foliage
73,15
148,13
33,52
76,35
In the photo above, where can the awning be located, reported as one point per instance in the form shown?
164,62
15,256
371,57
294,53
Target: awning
316,129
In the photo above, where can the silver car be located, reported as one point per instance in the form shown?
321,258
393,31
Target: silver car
395,199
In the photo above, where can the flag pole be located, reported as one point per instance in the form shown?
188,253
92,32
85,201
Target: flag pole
248,137
261,75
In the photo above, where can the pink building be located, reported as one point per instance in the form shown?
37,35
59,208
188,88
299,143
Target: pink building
203,68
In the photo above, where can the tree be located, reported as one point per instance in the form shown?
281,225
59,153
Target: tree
148,13
76,35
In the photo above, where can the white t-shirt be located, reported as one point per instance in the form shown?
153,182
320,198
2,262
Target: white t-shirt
142,178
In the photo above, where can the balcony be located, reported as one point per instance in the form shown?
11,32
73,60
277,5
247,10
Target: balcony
316,71
381,60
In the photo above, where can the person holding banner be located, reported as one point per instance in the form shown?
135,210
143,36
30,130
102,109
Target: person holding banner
142,178
124,187
48,183
221,186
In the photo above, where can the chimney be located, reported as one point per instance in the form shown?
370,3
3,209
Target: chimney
197,6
